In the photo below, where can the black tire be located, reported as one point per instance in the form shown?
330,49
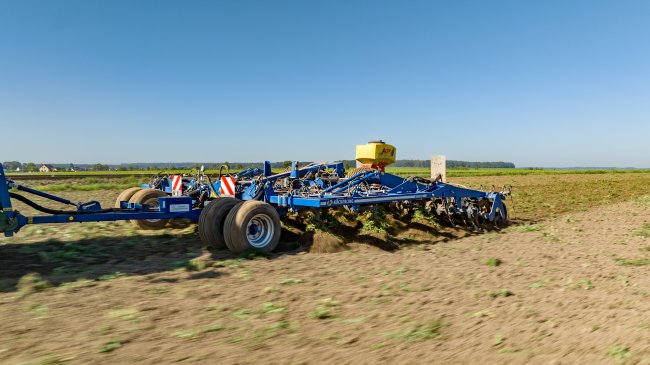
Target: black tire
211,222
252,225
150,197
126,195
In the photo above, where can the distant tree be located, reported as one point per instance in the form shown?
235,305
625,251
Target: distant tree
30,167
240,166
286,164
11,165
100,167
71,167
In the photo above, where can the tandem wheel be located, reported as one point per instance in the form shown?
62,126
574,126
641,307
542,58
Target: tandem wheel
239,225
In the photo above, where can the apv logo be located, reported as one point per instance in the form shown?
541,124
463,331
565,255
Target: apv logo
388,151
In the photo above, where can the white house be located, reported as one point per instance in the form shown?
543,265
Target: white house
47,168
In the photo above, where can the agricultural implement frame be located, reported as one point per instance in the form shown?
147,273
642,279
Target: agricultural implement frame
250,216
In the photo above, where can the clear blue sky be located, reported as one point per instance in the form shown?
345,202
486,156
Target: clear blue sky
538,83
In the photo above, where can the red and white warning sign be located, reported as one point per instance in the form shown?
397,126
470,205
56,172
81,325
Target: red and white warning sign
177,182
227,187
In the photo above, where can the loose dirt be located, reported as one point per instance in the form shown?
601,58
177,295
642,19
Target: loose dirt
570,289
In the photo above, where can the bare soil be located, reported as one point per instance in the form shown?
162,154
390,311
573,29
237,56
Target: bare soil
570,288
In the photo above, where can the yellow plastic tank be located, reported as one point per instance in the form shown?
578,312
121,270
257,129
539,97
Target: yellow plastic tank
376,154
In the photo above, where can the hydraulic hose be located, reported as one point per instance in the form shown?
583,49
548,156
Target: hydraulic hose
259,194
43,209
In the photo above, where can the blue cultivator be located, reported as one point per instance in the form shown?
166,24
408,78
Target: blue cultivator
242,211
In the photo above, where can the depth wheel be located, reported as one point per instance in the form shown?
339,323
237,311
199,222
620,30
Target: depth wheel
149,197
126,195
252,225
211,222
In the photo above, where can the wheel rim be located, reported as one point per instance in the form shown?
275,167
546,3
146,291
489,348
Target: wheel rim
260,230
153,203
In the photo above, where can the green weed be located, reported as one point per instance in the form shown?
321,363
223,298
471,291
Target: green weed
425,217
196,264
583,283
79,283
401,271
429,330
111,276
265,308
619,352
230,263
31,283
374,220
528,228
198,332
39,309
111,346
644,231
641,261
323,308
493,262
498,340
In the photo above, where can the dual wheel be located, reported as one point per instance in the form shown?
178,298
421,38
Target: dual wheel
229,223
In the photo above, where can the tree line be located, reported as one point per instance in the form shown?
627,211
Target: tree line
11,166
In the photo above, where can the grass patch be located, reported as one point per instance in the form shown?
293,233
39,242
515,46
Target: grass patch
498,340
198,332
493,262
528,228
323,309
78,187
429,330
644,231
31,283
111,346
230,263
619,352
641,261
79,283
111,276
584,283
196,264
265,308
